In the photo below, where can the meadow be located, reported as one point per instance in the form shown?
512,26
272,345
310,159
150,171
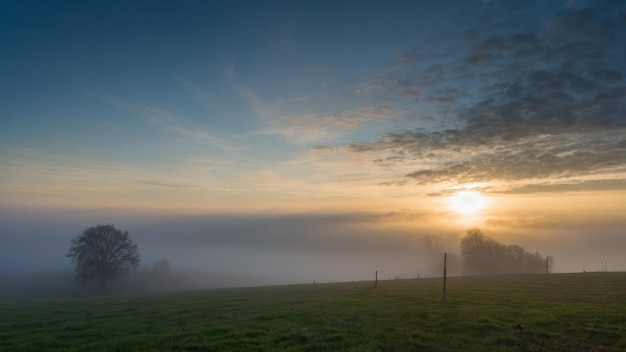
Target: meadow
560,312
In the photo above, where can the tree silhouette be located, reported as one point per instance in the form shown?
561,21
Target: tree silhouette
472,249
104,252
484,255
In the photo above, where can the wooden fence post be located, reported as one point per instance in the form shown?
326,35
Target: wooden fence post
445,259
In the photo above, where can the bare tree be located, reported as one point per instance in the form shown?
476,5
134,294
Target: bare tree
104,252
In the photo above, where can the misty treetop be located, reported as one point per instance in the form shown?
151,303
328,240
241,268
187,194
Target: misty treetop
104,252
484,255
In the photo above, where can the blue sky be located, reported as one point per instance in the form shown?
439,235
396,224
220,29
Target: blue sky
283,107
158,86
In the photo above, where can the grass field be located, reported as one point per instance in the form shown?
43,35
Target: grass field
561,312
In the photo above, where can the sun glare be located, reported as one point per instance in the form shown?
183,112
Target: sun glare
467,202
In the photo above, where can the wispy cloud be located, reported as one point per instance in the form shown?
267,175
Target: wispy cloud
309,128
38,162
165,184
193,131
36,177
618,184
262,109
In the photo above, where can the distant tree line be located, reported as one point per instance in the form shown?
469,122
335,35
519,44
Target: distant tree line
484,255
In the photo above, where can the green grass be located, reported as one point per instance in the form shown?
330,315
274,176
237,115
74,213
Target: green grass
561,312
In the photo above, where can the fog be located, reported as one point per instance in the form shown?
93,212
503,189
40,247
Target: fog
228,250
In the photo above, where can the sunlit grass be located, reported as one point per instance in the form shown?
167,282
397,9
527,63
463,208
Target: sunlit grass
564,312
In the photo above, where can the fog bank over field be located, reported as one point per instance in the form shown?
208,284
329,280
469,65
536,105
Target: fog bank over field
61,284
246,250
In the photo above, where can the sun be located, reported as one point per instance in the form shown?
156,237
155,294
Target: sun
467,202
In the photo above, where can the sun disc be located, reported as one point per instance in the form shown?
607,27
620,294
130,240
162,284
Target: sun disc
467,202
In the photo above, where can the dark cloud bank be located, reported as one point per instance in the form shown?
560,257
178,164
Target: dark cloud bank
528,91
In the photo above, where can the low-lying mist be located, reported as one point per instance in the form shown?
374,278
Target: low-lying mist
248,250
62,284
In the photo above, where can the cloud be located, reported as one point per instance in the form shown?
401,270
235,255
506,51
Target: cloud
581,186
195,132
309,128
560,156
523,104
587,23
42,179
35,162
368,87
355,118
165,184
261,108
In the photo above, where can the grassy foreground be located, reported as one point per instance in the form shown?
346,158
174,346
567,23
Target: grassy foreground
561,312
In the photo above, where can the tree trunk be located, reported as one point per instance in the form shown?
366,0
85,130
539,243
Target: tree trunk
103,285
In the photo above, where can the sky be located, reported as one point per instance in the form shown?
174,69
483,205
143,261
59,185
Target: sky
307,139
